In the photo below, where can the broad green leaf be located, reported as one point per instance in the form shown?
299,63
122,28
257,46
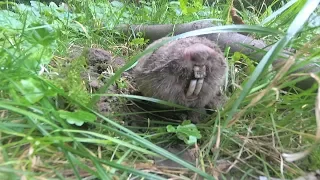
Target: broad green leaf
78,117
30,89
186,122
190,130
40,45
32,13
40,34
191,140
138,41
38,5
117,4
170,128
9,21
40,55
186,132
183,6
237,56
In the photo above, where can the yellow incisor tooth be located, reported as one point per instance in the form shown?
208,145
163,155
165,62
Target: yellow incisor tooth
191,88
198,87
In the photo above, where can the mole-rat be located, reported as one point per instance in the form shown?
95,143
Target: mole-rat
188,71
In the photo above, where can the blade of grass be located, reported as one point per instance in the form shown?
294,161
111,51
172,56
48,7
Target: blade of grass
18,173
6,105
5,157
159,101
101,171
271,55
121,159
105,139
82,165
70,160
84,153
279,11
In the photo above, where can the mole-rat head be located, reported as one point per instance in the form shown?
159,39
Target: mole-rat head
197,58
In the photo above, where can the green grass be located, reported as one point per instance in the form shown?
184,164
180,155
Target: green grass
266,114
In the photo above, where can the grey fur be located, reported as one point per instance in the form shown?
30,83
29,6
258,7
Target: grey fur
166,73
